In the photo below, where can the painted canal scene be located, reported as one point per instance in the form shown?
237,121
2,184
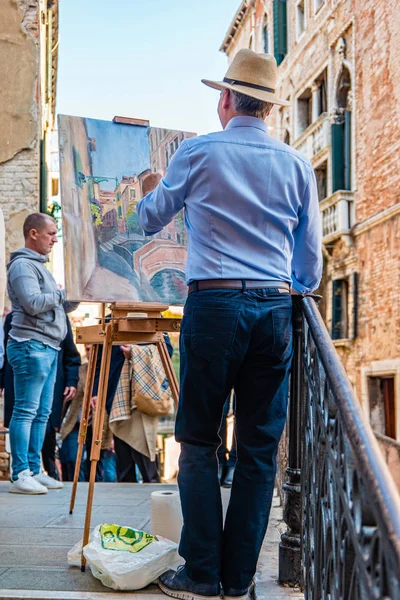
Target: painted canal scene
106,168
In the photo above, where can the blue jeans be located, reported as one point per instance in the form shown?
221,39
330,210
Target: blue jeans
241,340
34,366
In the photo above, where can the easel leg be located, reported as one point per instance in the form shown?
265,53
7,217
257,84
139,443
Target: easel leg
97,432
169,371
84,421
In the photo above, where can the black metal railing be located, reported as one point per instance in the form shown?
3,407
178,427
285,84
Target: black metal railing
341,505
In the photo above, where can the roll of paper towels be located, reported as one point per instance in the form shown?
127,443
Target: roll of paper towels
166,515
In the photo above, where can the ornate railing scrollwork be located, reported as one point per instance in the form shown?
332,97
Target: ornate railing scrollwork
350,535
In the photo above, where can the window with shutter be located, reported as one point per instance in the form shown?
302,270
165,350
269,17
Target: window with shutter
338,157
339,309
382,406
347,150
280,30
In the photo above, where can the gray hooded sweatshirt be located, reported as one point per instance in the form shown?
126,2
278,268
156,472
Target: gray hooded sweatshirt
38,312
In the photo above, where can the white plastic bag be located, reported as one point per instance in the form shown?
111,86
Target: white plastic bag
74,555
126,570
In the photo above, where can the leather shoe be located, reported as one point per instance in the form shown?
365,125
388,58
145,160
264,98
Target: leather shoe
234,594
178,584
228,477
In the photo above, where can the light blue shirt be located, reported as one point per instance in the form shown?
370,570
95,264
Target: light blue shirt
250,204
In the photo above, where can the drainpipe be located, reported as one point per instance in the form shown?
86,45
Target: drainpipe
49,57
44,174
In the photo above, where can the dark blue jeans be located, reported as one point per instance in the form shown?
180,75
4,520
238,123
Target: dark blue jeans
231,339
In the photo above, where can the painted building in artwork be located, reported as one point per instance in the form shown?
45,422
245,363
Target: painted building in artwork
127,194
339,66
28,73
163,145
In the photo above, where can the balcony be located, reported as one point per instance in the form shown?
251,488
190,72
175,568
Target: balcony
315,138
337,215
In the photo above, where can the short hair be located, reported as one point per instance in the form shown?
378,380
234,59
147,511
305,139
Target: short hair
246,105
35,221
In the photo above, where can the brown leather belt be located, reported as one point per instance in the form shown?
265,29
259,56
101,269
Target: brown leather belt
238,284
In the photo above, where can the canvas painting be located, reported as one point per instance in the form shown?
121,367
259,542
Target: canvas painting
106,168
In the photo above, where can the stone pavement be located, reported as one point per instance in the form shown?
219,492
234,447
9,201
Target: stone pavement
36,533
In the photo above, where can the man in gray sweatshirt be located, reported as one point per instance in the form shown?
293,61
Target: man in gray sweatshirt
38,327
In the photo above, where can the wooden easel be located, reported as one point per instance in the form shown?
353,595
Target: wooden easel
130,323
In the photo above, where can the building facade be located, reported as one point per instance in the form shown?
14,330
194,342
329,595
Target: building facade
163,145
28,69
339,66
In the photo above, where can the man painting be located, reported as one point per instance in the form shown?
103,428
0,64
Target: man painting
253,227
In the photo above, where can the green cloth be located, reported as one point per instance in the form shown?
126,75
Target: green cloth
114,537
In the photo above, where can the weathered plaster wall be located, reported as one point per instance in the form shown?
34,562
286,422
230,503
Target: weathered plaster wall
18,74
19,115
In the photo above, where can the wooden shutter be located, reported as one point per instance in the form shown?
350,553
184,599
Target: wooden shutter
347,150
389,404
355,305
280,30
338,180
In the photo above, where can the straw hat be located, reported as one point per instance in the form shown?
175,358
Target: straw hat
251,74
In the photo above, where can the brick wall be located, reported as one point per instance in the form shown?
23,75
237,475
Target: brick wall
19,193
378,111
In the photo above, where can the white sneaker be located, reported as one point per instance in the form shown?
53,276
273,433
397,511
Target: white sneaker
26,484
49,482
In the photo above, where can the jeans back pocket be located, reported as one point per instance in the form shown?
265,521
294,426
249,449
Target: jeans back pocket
283,331
213,331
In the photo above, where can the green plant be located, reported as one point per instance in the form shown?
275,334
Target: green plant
54,210
96,214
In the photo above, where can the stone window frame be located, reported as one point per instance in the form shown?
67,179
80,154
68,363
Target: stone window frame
318,5
285,125
319,69
325,64
324,158
299,36
388,367
351,275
